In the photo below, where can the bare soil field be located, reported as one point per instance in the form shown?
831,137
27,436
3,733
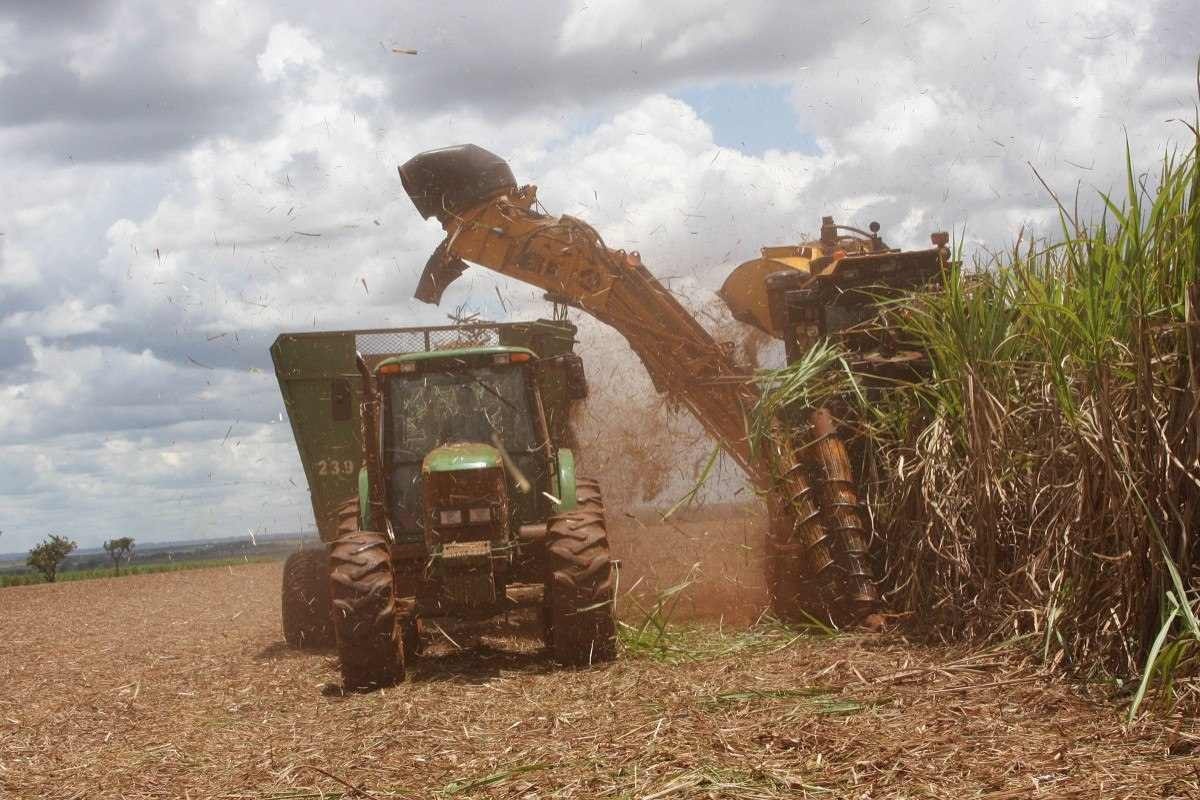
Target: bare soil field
179,685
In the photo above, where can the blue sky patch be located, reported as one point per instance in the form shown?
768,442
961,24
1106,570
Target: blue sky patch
752,117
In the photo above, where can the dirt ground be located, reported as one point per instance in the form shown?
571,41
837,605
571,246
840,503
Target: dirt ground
179,685
716,552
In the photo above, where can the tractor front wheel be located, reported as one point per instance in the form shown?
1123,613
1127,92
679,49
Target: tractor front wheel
306,602
580,616
369,643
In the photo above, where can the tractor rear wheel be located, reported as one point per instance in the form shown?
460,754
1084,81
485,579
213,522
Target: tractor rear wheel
580,617
306,601
369,643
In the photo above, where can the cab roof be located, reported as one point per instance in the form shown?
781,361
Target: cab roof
464,352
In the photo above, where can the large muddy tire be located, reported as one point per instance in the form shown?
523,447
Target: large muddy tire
580,616
306,601
369,643
587,495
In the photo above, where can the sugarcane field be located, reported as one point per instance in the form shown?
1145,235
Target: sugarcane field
600,399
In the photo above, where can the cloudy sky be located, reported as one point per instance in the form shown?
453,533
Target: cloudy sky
160,163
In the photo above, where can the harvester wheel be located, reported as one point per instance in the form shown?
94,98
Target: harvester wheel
580,617
370,647
306,601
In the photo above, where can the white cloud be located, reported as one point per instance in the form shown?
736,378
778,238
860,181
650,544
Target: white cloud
652,180
183,480
671,30
18,267
68,318
91,53
118,281
287,46
69,390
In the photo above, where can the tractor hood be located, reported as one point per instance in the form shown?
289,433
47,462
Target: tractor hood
455,457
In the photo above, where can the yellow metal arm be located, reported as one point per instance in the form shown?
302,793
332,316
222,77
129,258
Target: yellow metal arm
567,258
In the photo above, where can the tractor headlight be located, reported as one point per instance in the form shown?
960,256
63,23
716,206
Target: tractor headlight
452,517
479,515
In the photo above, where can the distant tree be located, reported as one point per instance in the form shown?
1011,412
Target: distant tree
46,557
119,550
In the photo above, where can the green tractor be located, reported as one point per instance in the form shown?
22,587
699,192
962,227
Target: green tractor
443,484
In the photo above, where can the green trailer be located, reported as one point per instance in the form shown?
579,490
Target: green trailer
440,465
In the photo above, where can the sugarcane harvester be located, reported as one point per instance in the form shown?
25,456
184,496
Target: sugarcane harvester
817,555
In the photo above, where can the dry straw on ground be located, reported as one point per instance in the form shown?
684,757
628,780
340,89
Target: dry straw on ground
179,685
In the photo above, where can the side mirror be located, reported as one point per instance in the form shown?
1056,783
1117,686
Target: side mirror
573,376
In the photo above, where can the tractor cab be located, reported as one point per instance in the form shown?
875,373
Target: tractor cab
465,447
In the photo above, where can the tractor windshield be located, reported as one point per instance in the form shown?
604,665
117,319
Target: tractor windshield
473,405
